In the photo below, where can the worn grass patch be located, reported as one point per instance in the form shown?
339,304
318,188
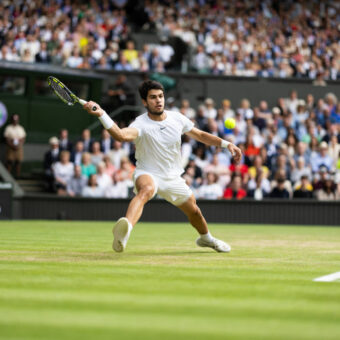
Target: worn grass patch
61,280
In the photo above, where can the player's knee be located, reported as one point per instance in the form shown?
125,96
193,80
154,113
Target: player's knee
146,192
196,212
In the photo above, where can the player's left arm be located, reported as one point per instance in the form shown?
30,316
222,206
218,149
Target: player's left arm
210,139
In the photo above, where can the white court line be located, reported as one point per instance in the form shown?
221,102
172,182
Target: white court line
328,278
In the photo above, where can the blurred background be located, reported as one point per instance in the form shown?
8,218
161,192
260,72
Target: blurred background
274,66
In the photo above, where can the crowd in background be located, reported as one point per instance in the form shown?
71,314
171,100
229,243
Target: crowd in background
243,38
289,151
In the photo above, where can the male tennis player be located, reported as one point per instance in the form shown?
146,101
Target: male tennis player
157,135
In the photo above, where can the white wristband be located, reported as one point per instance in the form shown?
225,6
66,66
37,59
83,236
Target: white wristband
224,143
106,120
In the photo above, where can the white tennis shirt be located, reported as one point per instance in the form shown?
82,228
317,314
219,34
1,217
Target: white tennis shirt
158,145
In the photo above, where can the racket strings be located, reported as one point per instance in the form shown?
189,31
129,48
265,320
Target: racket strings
62,93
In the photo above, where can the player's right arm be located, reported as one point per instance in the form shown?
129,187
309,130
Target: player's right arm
122,135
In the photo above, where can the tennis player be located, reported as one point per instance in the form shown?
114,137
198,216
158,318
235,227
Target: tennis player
157,136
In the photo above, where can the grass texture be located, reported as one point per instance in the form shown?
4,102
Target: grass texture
61,280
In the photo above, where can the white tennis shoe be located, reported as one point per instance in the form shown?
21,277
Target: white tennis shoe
214,243
121,233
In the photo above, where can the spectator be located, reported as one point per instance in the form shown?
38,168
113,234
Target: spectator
106,142
87,168
77,154
15,136
322,158
210,189
235,190
118,189
328,192
103,179
77,183
304,189
209,109
126,170
96,154
87,140
121,93
258,187
63,171
123,64
117,153
109,167
64,142
92,189
279,191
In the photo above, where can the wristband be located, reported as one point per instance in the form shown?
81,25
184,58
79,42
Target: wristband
224,143
106,120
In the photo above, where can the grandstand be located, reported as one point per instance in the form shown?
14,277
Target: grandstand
215,61
274,67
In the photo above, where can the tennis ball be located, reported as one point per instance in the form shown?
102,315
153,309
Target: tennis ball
230,123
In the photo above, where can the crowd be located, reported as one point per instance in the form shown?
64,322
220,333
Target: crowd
241,38
289,151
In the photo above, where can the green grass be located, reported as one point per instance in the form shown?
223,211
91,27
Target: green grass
61,280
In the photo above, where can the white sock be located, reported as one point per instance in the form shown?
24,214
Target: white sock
206,237
130,225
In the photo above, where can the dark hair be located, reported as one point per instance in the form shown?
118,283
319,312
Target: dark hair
148,85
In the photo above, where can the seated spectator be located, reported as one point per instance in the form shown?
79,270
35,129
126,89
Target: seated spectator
130,53
186,110
64,142
279,191
96,154
235,190
77,154
117,153
87,168
87,140
281,174
258,167
63,171
334,149
250,150
195,171
210,189
92,188
126,170
219,169
109,167
258,188
103,179
123,64
50,158
120,93
304,189
106,142
259,183
77,183
118,189
299,170
328,192
322,158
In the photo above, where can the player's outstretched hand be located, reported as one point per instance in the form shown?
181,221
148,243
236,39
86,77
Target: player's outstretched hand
235,152
89,108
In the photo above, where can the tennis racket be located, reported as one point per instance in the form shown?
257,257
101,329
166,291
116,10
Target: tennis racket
66,95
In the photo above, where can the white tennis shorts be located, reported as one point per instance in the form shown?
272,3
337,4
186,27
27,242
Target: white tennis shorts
174,190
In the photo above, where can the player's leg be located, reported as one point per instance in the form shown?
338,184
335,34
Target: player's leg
145,188
194,214
197,220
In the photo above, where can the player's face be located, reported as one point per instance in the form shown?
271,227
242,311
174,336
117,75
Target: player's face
155,102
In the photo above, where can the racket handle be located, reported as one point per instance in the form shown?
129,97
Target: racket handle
83,102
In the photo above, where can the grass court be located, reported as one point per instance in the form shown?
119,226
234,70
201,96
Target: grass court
61,280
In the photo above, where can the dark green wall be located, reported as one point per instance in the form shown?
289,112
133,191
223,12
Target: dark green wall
43,115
